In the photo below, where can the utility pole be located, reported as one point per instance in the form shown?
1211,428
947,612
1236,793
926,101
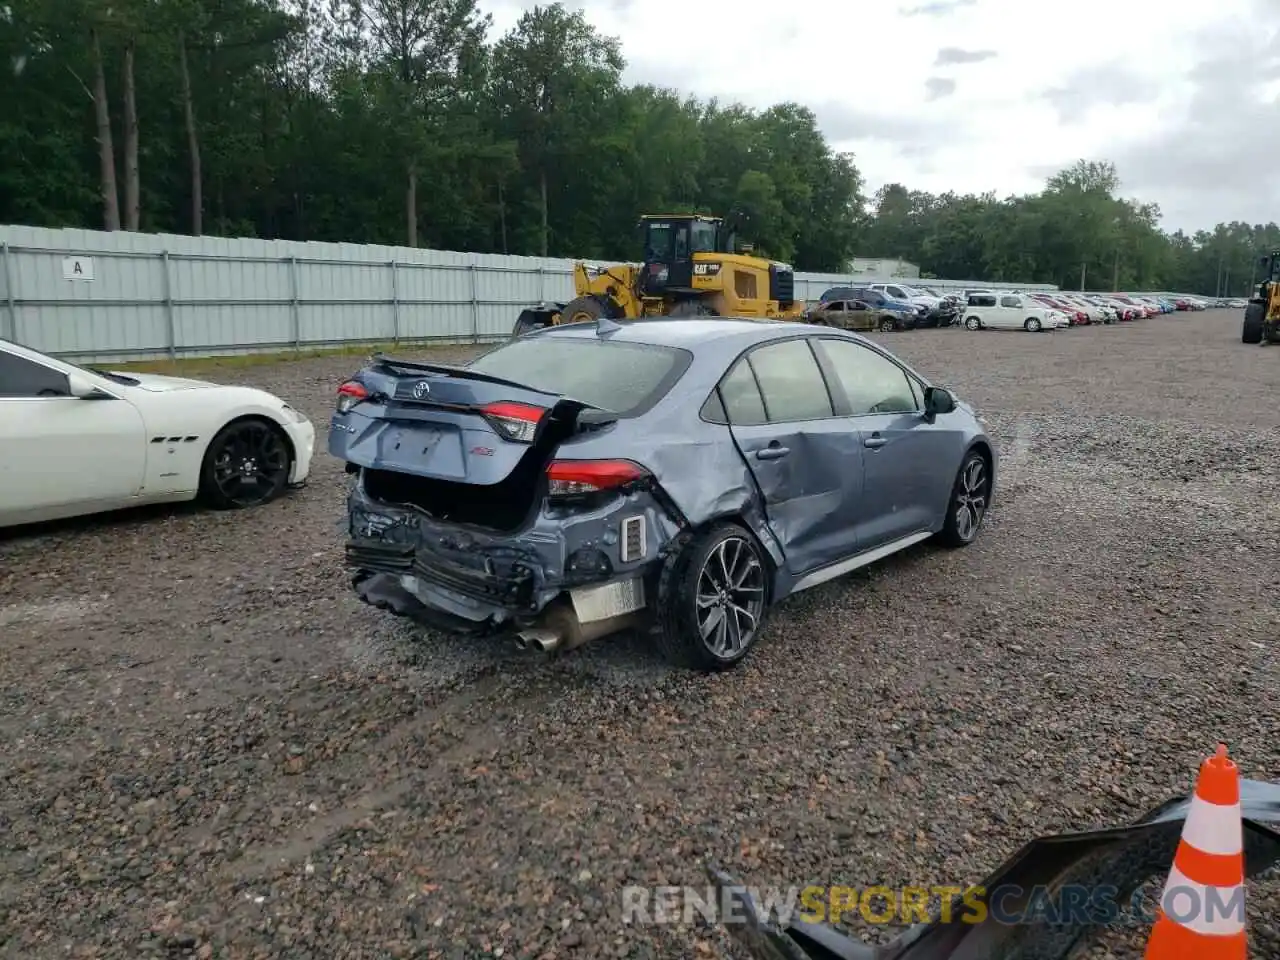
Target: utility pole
1253,274
1115,276
1226,283
1082,265
1217,281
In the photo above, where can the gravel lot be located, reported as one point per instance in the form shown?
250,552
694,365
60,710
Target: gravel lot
212,749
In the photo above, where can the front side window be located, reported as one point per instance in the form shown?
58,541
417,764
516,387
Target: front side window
20,378
872,383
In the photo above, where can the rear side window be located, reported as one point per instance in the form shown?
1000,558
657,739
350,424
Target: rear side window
743,405
1010,302
981,300
623,378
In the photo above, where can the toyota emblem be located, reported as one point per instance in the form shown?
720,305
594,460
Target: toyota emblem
421,389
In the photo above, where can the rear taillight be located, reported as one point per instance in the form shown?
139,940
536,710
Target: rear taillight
514,421
349,394
567,478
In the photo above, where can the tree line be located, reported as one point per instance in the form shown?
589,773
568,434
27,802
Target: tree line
408,122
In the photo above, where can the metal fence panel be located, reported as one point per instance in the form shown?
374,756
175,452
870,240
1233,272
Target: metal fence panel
89,295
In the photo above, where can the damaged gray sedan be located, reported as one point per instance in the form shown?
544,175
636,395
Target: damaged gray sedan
678,476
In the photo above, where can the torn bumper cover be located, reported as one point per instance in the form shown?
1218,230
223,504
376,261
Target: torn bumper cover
466,580
1116,862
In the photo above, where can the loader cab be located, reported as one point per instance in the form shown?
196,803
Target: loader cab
669,246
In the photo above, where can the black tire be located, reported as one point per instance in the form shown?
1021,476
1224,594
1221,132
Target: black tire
887,325
970,495
584,310
972,323
1254,323
529,321
692,572
252,449
1033,325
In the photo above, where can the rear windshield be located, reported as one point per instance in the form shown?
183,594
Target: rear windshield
623,378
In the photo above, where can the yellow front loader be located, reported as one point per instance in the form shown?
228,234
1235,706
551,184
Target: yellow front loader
1262,316
691,268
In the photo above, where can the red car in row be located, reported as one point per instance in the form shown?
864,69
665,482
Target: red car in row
1074,313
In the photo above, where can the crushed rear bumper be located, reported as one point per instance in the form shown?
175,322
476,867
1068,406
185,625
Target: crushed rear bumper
467,580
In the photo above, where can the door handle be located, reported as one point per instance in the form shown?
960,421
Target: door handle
772,452
875,441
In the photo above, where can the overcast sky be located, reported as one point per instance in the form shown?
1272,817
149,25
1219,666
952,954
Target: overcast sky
975,95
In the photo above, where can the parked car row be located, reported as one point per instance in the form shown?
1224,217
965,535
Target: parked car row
898,306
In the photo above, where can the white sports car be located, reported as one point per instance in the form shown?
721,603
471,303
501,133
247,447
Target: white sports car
75,441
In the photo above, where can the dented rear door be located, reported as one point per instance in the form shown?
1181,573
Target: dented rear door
806,461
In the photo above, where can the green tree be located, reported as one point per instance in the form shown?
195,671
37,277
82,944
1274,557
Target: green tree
553,75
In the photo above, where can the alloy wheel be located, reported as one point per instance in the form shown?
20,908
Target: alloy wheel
730,597
971,499
251,465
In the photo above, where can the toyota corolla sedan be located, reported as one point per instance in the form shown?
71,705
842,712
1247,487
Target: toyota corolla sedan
679,476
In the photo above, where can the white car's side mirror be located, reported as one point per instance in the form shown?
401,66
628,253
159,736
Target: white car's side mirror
84,388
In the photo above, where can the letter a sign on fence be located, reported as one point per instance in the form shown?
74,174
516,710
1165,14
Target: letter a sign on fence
77,268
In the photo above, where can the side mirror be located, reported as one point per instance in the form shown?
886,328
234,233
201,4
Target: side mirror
84,388
937,400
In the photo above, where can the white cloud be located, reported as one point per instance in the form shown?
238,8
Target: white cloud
911,88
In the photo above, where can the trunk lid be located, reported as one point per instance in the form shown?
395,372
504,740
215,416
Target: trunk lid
447,423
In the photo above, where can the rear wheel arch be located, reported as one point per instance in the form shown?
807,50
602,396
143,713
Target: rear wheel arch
769,548
674,627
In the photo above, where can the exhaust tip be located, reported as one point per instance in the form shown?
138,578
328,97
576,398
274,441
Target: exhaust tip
539,639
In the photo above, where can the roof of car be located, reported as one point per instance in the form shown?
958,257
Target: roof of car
683,331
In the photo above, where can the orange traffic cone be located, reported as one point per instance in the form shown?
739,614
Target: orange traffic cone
1201,915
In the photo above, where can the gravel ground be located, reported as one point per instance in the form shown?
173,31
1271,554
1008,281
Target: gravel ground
211,749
